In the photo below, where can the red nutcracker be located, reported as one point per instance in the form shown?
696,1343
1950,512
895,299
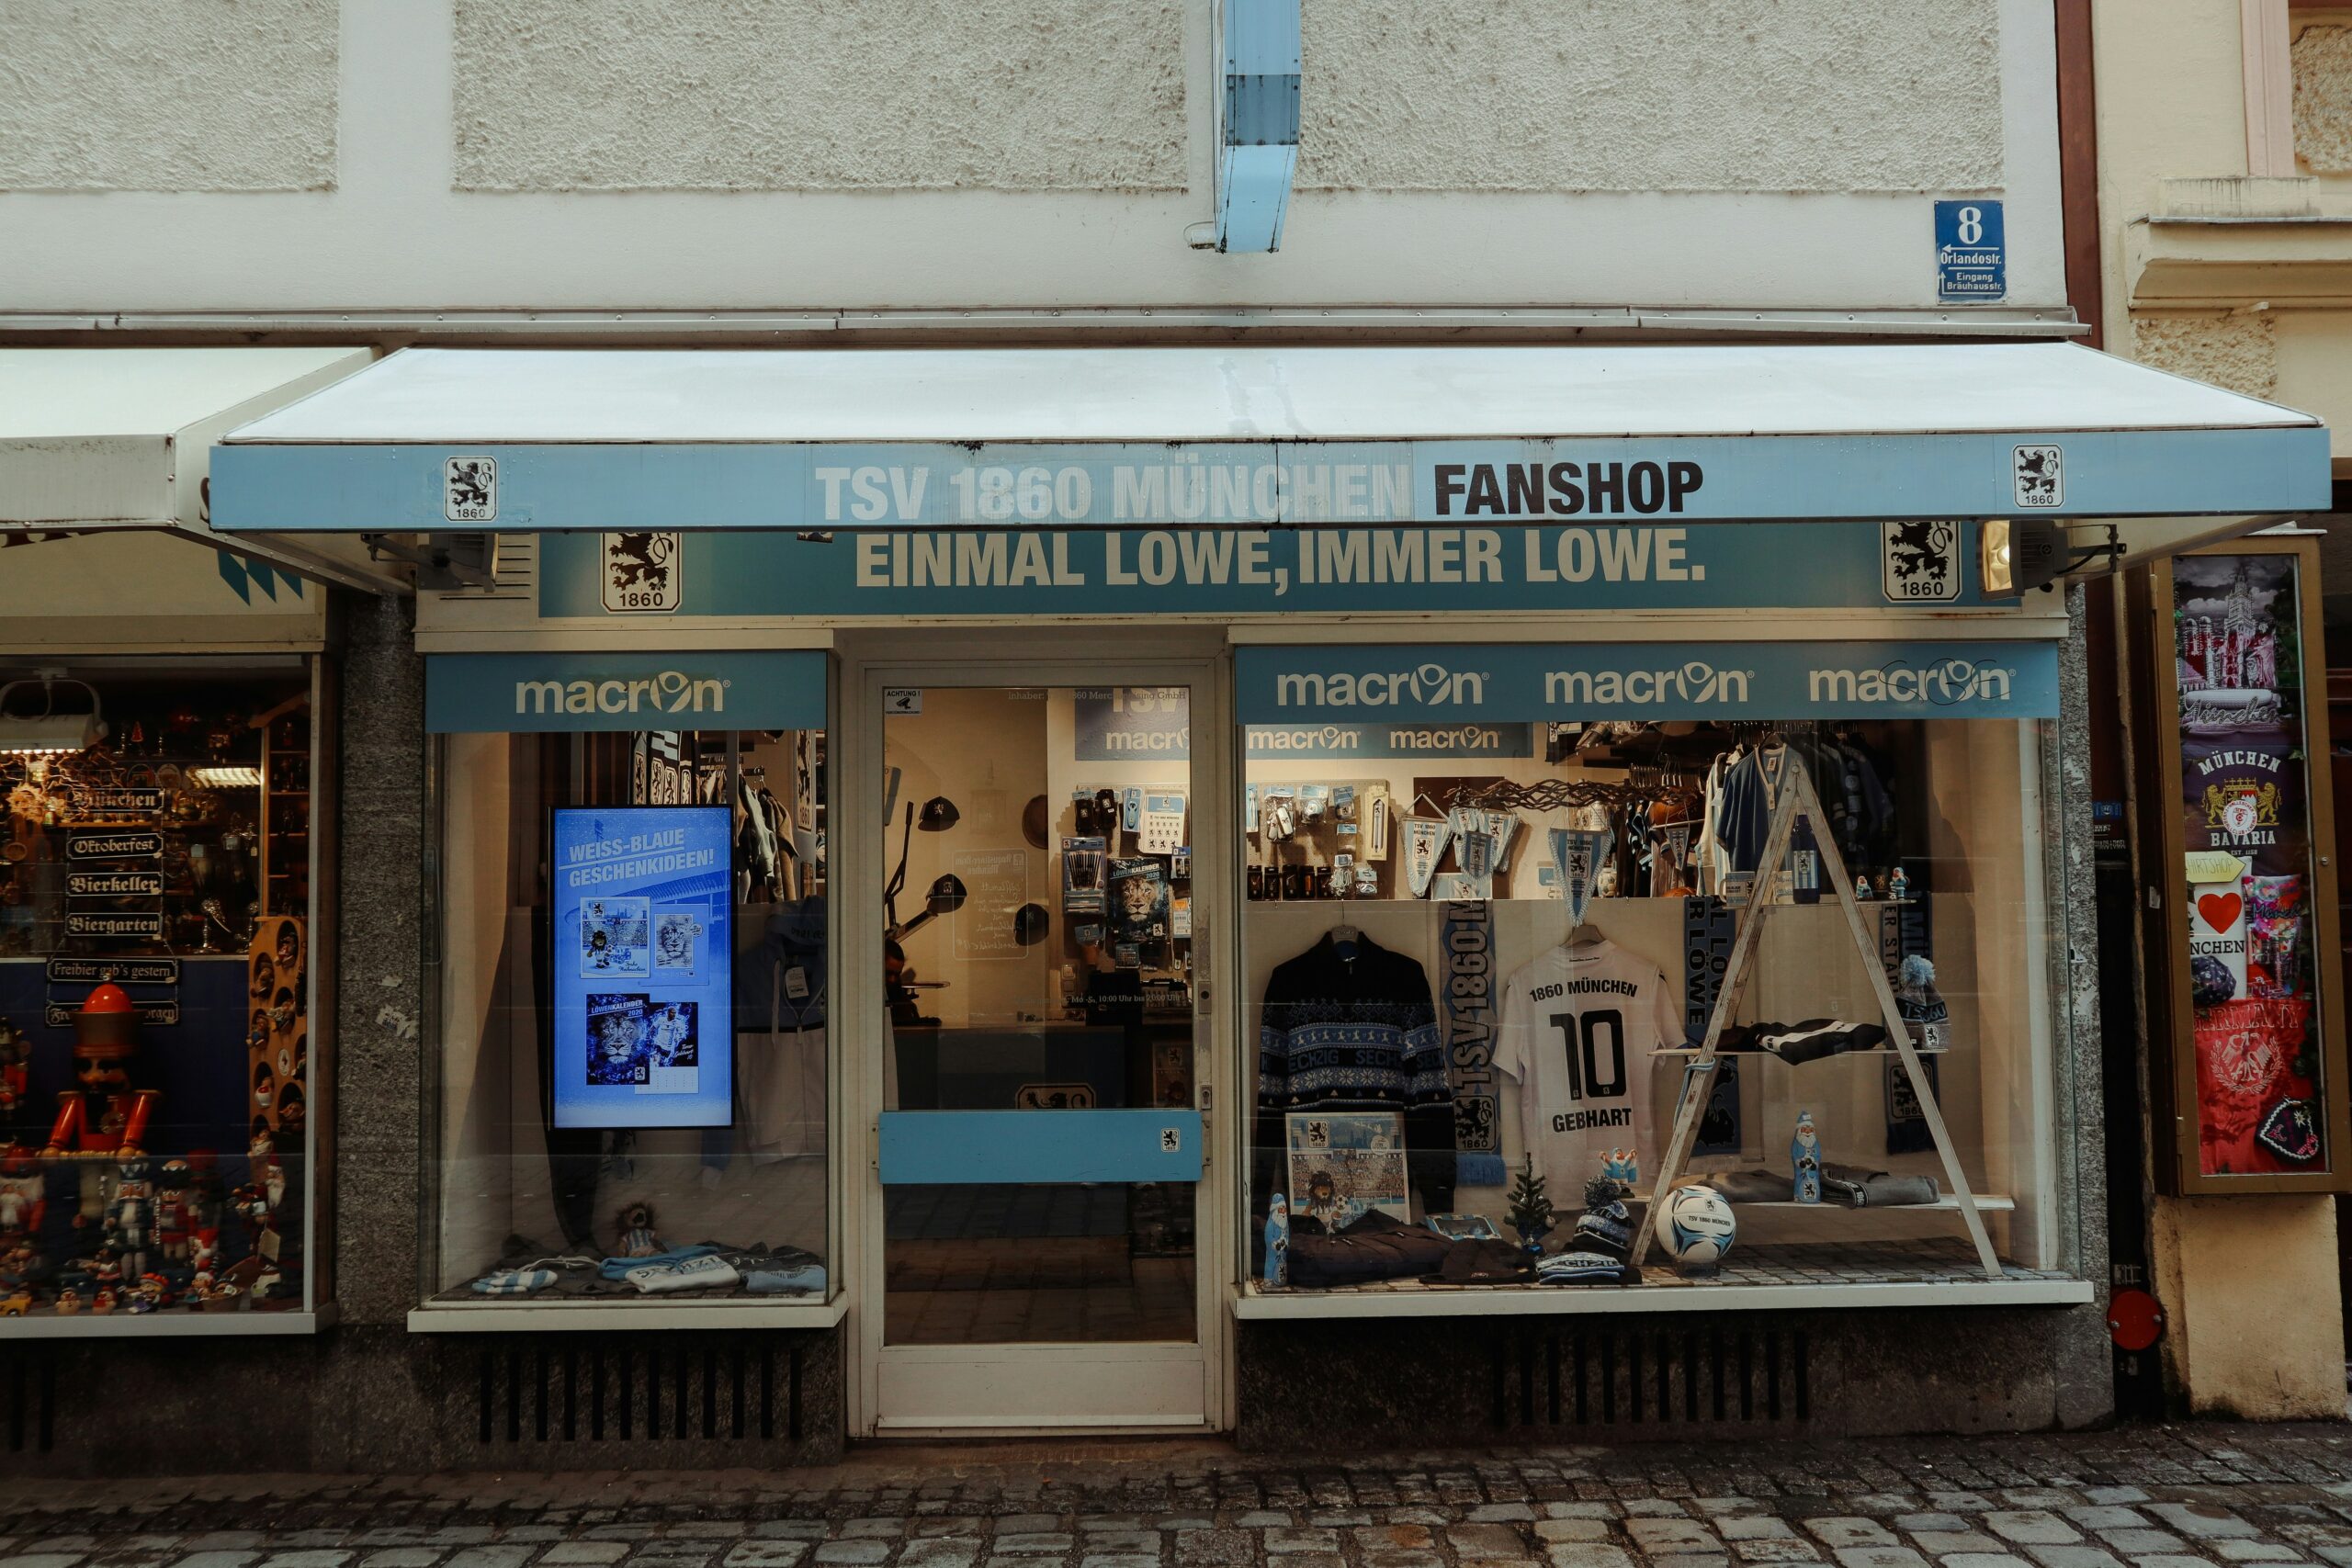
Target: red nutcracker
106,1038
15,1072
174,1211
24,1194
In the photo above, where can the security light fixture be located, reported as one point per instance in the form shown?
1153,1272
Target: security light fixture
49,733
2019,554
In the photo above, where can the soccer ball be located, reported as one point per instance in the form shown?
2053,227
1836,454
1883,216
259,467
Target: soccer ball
1695,1226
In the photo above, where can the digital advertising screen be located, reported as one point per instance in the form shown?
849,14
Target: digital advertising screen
643,981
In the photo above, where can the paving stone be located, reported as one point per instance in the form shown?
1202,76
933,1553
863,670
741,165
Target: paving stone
1472,1543
2114,1494
1878,1557
1930,1522
1584,1529
1118,1559
2235,1550
1496,1513
1401,1557
2172,1562
2031,1526
1789,1551
224,1540
1960,1502
1024,1543
866,1552
1215,1548
1266,1519
1124,1543
1943,1543
1286,1542
2075,1556
391,1557
1582,1510
501,1556
2106,1517
1984,1560
575,1554
306,1560
1754,1526
1689,1560
768,1553
2141,1543
239,1560
1655,1536
1847,1529
873,1530
2201,1521
1654,1507
1587,1555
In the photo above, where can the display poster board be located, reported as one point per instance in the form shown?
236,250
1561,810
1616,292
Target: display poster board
642,967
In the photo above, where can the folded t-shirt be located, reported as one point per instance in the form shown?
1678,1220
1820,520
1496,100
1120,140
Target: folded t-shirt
698,1273
808,1278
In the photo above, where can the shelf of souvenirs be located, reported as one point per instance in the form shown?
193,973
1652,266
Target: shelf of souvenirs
1947,1203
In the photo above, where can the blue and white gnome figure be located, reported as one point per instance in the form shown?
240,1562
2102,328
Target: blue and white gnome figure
1277,1270
1804,1159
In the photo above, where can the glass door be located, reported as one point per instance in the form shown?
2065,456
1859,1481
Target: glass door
1041,1143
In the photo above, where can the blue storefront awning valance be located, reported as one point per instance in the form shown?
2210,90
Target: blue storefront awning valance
1771,681
432,440
603,693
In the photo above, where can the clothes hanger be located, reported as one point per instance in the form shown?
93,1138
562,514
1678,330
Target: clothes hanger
1345,939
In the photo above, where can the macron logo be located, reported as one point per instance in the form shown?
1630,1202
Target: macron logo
1942,684
671,692
1696,681
1430,684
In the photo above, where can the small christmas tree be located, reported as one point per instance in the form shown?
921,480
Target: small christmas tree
1531,1209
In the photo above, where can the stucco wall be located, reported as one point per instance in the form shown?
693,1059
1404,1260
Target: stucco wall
2237,351
1669,95
813,94
167,95
2221,1265
2322,61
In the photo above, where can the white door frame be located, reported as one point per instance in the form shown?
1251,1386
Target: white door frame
1016,1389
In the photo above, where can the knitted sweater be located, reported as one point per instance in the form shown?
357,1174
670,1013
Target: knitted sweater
1359,1033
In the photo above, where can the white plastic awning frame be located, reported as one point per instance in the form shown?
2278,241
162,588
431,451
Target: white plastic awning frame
623,440
122,439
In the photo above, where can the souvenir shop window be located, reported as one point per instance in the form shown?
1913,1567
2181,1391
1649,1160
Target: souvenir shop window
634,994
156,861
1480,960
2255,995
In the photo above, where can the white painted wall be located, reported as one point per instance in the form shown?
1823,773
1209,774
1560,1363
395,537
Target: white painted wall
918,154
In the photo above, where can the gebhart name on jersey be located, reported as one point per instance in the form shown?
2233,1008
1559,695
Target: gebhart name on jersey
1586,1121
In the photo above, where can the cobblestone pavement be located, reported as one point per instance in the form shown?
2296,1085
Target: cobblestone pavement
2152,1498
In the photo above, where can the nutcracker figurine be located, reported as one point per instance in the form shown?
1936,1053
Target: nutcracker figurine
174,1210
131,1218
106,1037
16,1074
207,1202
24,1194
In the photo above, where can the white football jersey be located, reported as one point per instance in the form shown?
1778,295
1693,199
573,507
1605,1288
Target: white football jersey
1578,1031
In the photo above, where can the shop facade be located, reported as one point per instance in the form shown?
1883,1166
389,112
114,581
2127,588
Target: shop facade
1379,863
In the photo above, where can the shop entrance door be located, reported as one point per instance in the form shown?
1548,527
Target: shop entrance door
1050,863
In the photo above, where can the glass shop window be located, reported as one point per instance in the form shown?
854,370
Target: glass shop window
156,861
633,1079
1482,965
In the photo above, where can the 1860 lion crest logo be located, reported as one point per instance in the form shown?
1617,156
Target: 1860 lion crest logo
641,573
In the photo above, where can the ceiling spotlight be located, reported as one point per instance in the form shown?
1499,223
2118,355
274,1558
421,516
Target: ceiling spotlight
49,733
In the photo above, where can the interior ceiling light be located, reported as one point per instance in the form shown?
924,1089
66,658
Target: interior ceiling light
49,733
225,778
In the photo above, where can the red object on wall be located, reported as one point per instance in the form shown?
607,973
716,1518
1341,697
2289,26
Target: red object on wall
2135,1320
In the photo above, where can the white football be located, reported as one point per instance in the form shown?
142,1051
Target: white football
1695,1226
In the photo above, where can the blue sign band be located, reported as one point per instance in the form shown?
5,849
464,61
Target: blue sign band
1638,681
602,692
861,487
1136,572
923,1148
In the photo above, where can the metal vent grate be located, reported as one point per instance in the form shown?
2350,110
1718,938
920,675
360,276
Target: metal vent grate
582,1388
29,1398
1716,1375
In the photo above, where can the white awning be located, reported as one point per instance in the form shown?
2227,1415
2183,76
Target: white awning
1095,437
122,438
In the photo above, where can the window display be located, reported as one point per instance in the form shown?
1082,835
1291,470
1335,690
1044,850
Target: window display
155,987
2258,1084
1501,943
634,978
